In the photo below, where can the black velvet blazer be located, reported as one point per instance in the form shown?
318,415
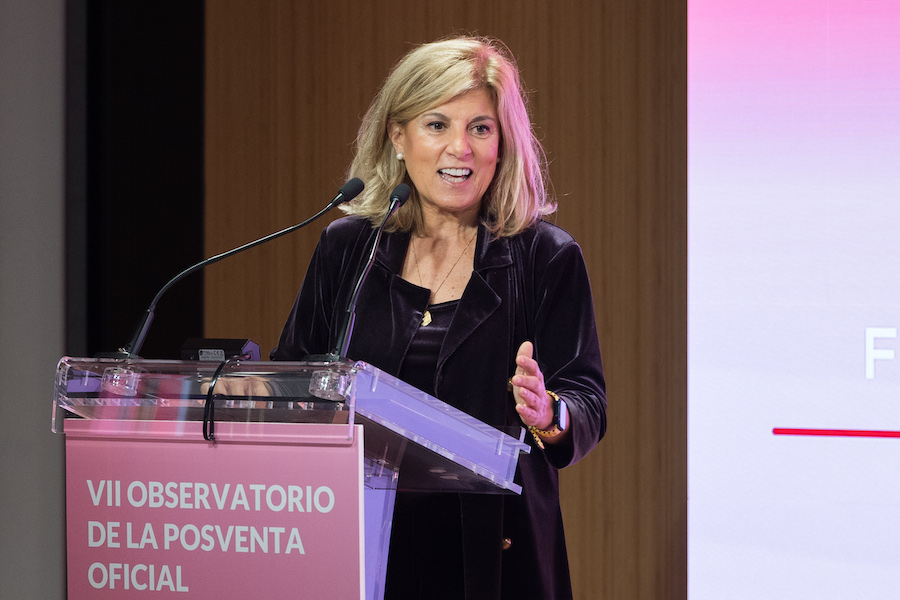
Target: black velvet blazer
532,286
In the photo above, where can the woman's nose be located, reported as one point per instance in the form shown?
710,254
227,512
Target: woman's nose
459,143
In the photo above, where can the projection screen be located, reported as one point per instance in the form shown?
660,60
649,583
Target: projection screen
794,299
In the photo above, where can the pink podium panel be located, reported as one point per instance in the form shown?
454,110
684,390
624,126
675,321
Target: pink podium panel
270,510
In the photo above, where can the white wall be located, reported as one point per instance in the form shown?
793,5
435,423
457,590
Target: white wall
31,297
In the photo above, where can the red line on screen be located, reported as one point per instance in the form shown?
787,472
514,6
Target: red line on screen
837,432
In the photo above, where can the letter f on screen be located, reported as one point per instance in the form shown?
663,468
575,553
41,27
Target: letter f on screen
873,353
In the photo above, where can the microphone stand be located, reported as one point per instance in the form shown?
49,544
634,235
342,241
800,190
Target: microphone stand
399,196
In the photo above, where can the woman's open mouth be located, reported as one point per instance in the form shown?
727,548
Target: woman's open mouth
455,175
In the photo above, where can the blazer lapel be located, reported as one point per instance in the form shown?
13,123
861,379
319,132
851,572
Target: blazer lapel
479,300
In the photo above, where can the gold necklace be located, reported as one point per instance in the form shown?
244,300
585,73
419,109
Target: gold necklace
426,318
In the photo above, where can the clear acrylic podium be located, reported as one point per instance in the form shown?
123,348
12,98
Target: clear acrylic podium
150,488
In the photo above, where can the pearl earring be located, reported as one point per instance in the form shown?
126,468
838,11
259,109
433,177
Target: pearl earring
399,156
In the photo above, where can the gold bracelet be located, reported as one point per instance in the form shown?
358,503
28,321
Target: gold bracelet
546,433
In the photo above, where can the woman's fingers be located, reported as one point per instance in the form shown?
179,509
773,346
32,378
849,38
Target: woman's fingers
532,401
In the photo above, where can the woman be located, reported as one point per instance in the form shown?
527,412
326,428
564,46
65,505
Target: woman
474,299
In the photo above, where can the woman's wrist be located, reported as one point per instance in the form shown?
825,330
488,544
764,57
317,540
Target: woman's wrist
559,424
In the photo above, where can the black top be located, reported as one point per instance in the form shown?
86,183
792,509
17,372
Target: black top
426,535
421,359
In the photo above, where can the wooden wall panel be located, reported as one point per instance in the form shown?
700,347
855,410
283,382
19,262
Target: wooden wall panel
286,85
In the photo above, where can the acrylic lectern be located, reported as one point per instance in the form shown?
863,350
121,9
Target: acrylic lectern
253,479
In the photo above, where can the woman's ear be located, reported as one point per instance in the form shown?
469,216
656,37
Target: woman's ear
395,134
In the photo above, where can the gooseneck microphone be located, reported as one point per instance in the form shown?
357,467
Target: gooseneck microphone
348,192
399,196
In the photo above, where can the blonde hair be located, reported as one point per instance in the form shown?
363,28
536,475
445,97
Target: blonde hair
431,75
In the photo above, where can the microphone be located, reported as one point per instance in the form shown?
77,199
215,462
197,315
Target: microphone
348,191
399,196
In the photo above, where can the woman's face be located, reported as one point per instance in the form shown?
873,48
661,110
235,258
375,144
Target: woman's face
451,153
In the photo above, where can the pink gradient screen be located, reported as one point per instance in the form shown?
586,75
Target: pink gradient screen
794,299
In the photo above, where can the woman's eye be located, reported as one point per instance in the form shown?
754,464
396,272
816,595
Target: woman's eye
436,125
482,129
